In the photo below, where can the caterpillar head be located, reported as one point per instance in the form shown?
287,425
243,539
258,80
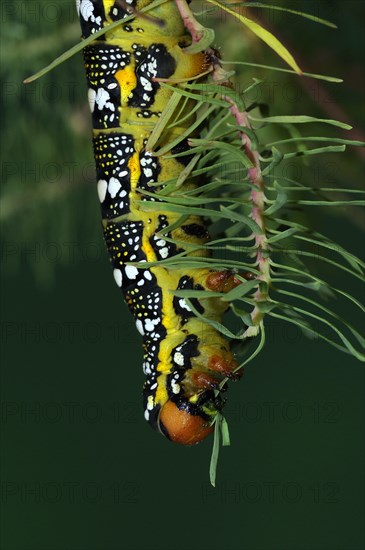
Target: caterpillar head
187,423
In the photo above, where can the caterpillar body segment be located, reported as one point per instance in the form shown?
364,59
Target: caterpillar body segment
185,358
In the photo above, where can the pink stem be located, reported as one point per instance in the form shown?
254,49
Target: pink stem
191,24
257,195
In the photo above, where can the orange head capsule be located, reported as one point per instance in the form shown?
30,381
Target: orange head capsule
180,426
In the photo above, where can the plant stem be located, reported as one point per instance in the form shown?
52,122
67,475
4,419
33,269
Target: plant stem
191,24
257,196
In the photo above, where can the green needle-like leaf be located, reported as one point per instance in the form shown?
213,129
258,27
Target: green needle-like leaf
262,33
300,119
215,451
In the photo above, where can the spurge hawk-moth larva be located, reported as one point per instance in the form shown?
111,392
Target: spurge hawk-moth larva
185,358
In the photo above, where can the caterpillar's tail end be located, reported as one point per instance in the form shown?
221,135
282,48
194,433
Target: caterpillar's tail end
180,426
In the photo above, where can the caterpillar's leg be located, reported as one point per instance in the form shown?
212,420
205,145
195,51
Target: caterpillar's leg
216,361
224,281
221,281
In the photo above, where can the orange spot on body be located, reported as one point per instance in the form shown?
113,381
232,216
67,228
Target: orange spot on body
127,82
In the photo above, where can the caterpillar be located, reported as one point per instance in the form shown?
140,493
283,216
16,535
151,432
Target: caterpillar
185,359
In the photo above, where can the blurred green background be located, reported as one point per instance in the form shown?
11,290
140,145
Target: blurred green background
81,470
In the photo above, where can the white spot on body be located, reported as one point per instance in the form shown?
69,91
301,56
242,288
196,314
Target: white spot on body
150,403
131,271
152,66
164,252
113,187
146,84
146,368
183,304
175,387
151,323
91,97
86,9
139,327
102,187
179,358
102,100
118,277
